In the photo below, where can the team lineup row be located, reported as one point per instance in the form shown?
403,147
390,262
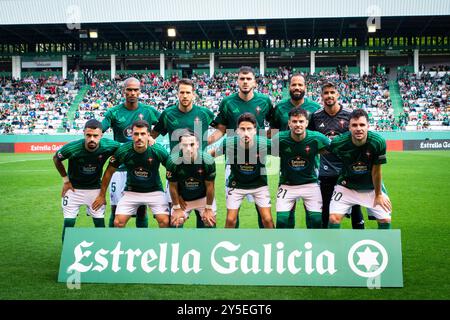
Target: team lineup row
347,173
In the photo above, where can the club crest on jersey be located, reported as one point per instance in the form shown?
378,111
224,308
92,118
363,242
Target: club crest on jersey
322,125
150,160
197,120
141,116
342,122
258,110
368,154
200,171
100,157
307,148
128,132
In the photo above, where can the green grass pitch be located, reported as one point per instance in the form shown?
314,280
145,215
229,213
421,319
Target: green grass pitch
31,222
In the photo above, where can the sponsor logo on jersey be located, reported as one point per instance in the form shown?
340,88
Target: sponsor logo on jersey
298,163
192,183
322,125
247,168
359,167
88,169
141,173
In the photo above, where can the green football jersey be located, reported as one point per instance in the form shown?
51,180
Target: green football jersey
191,177
248,166
85,167
120,119
298,159
358,161
280,115
233,106
197,119
142,168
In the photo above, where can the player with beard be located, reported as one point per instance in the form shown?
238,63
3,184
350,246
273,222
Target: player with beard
82,185
231,107
280,118
332,121
119,119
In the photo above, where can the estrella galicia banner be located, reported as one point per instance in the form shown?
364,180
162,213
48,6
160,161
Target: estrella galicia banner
299,257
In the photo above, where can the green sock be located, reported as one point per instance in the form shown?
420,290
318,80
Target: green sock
142,222
315,219
384,225
283,220
68,223
334,225
308,220
291,220
200,224
99,222
112,217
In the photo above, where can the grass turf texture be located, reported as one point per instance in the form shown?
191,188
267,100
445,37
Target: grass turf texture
31,222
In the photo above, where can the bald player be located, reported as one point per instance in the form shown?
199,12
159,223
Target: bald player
119,119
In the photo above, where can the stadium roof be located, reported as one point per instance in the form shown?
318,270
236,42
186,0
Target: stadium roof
17,12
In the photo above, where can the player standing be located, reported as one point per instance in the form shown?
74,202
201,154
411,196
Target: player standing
82,185
246,155
120,119
362,153
332,121
143,184
231,107
299,149
184,115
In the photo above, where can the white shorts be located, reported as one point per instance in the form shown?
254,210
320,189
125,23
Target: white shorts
199,205
130,201
310,193
344,199
116,186
235,196
72,202
227,174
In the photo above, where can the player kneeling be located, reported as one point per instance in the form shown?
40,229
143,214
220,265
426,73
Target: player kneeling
143,186
191,175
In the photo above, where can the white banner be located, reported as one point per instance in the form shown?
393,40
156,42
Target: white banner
42,64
